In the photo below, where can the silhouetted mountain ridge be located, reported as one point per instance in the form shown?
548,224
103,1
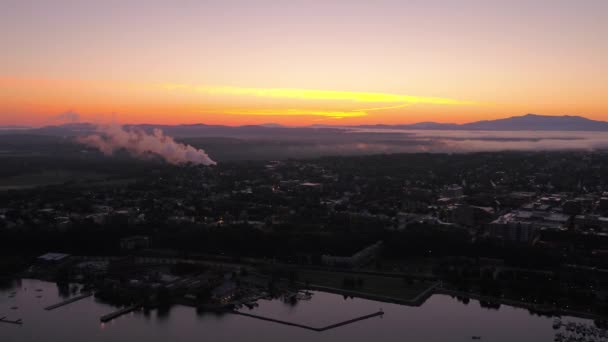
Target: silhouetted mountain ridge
528,122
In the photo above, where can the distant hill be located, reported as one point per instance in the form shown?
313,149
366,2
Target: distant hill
419,125
528,122
266,131
534,122
7,128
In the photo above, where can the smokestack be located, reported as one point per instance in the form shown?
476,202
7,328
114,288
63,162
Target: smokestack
139,143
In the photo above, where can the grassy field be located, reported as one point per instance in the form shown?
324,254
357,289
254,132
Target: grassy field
398,288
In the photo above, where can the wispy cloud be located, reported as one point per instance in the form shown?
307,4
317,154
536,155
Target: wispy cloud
311,94
385,107
297,112
384,101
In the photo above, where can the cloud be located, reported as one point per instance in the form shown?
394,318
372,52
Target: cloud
384,101
311,94
297,112
307,112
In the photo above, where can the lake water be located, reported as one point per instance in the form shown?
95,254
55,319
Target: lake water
441,318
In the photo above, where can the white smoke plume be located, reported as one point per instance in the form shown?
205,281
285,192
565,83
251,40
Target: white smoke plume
141,144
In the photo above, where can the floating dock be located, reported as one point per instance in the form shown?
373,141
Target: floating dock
119,313
307,327
4,320
350,321
68,301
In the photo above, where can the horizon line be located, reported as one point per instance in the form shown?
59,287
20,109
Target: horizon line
17,126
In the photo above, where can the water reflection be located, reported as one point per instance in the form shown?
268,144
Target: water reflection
8,284
63,289
489,305
441,318
163,311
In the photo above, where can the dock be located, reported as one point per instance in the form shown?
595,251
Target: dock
119,313
307,327
4,320
350,321
68,301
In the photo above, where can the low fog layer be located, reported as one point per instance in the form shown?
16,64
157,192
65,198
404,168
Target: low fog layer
474,141
205,144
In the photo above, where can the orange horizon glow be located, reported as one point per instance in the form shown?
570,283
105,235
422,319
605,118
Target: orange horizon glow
38,102
301,62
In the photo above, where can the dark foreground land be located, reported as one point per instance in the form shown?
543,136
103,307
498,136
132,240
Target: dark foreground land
524,228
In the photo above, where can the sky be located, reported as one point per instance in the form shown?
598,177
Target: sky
300,62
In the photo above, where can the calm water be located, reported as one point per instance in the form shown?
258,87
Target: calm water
441,318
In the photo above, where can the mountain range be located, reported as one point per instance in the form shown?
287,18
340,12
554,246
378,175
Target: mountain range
528,122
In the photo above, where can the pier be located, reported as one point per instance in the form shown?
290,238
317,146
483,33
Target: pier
68,301
119,313
307,327
350,321
4,320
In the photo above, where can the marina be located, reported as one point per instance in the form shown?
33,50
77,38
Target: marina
332,326
323,317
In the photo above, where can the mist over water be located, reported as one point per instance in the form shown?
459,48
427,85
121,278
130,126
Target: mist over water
177,145
480,141
308,143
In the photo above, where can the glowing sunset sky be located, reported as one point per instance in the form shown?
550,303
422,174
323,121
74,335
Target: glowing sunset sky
301,62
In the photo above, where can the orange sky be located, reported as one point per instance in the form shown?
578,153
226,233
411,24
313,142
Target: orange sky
301,62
